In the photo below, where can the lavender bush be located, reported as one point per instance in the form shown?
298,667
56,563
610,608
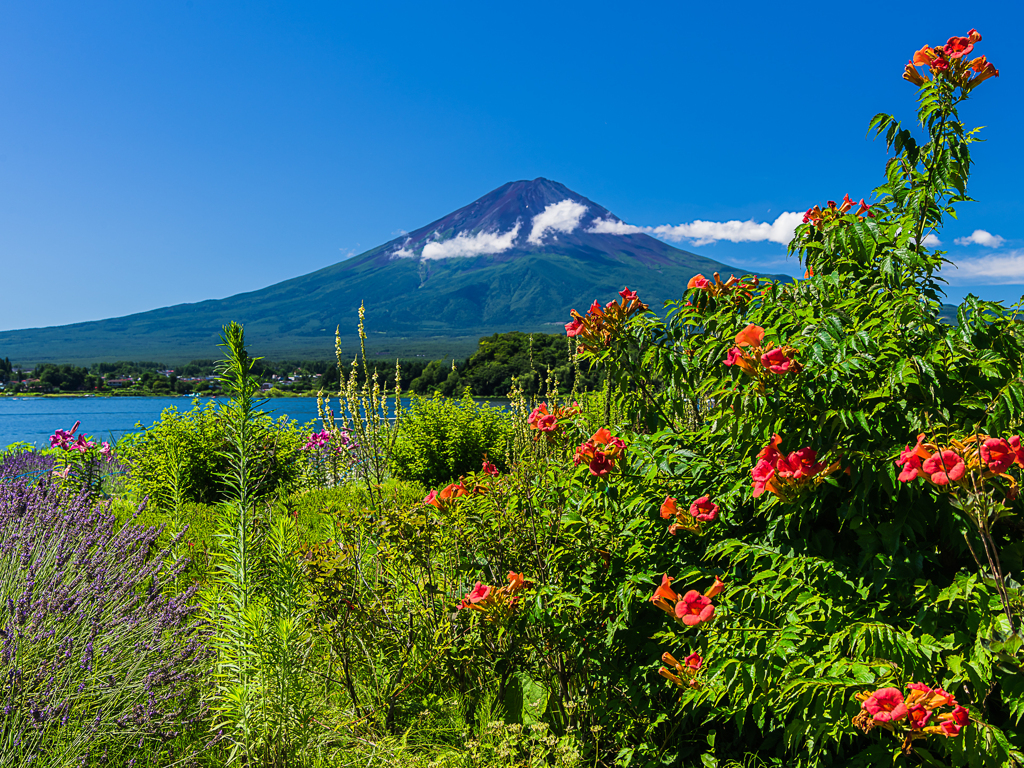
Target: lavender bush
97,656
24,464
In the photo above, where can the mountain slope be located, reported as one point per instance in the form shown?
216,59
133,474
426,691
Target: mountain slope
519,258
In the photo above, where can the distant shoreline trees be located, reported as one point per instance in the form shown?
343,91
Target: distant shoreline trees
488,372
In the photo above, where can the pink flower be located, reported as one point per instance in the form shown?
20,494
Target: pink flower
960,716
574,328
81,444
601,465
919,717
105,450
699,282
946,728
490,469
998,454
770,452
62,439
703,509
733,356
1018,451
776,361
693,663
910,459
803,463
628,295
886,705
956,47
762,473
547,423
694,608
944,467
479,593
432,499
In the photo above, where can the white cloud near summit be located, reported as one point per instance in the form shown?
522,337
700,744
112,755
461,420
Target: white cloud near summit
556,217
981,237
470,245
703,232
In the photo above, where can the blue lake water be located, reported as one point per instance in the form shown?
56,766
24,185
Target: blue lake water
33,419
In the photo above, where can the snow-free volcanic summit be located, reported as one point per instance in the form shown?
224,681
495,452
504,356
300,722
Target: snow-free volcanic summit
519,258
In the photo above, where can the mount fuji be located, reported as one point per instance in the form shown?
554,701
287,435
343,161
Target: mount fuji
519,258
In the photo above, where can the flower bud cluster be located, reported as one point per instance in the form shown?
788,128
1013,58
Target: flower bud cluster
736,291
702,510
757,361
787,475
692,608
495,599
682,673
913,716
546,423
601,325
601,453
820,217
949,62
945,465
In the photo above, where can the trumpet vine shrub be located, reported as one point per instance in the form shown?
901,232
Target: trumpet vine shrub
842,468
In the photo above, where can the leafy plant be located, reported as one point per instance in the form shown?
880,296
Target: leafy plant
181,458
780,413
440,439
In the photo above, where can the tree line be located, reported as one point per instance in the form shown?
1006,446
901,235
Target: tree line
489,372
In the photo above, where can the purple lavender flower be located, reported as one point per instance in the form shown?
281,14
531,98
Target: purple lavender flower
73,581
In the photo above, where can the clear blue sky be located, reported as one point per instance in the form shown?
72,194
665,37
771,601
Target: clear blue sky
153,153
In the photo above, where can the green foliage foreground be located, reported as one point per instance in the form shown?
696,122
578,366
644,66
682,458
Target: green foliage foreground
786,534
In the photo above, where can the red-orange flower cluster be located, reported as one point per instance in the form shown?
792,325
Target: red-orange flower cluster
754,360
818,217
451,492
600,325
683,674
735,290
692,608
602,452
786,475
545,422
485,598
913,716
949,61
946,465
703,510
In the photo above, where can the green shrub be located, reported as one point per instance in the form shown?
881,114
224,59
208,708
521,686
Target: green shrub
181,457
440,439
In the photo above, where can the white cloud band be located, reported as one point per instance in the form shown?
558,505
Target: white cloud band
981,237
996,269
703,232
471,245
557,217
